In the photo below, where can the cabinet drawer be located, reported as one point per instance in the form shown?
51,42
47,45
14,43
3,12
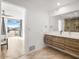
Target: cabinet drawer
59,40
58,45
69,45
72,43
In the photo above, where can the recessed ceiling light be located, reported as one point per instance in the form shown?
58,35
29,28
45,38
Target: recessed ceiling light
58,4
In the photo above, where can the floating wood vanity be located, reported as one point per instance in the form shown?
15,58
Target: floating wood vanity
64,44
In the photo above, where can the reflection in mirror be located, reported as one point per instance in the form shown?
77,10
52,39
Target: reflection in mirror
71,24
68,22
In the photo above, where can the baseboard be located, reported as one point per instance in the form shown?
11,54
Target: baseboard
35,51
62,51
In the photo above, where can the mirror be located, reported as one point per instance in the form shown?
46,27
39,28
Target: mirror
68,22
71,24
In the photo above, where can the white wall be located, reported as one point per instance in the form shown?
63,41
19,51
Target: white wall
14,10
54,25
37,26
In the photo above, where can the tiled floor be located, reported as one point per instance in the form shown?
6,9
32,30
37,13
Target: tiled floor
15,48
46,53
49,53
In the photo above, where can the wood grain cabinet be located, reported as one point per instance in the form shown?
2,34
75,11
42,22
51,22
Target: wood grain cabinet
64,44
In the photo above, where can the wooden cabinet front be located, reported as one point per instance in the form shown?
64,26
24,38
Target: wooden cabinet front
67,44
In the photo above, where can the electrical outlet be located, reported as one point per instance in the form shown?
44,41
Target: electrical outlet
31,48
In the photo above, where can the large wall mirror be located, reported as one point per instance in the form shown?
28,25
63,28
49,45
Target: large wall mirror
68,22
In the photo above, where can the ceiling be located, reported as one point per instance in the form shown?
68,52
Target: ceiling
46,5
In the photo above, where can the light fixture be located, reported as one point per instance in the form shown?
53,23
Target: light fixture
58,4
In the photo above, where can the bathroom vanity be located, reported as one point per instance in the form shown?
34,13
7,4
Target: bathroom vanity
64,44
63,33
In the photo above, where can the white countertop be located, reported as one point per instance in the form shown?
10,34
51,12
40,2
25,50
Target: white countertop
74,35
